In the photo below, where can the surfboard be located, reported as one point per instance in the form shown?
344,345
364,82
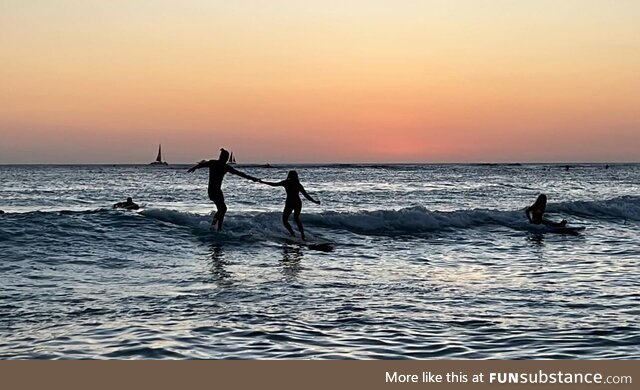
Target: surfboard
317,245
566,229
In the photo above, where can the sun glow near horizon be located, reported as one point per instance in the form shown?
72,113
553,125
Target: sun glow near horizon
285,81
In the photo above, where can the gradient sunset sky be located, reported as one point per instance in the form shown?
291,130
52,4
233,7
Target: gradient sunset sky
320,81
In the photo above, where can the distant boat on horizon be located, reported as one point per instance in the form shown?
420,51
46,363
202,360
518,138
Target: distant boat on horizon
159,157
232,159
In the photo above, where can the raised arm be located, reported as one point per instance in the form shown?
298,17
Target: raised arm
201,164
306,195
241,174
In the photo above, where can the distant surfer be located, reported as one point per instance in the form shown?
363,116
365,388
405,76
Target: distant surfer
217,169
293,203
535,213
128,205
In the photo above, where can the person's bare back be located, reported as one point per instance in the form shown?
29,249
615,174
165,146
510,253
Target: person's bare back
217,169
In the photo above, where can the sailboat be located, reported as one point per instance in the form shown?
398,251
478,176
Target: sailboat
232,160
159,158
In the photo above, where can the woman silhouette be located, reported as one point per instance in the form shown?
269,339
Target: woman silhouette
535,213
293,203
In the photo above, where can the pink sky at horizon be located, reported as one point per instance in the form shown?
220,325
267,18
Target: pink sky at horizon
286,81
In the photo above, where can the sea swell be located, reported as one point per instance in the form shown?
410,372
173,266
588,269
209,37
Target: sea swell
623,207
262,225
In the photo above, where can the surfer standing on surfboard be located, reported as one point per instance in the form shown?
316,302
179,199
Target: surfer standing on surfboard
293,203
535,213
217,169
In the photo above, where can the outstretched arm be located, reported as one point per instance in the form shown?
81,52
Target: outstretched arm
273,184
201,164
304,192
241,174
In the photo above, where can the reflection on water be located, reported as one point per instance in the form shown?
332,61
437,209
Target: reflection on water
536,239
219,264
291,258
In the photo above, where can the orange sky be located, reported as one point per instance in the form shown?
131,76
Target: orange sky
319,81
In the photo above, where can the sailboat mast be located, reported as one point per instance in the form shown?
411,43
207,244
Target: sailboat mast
159,157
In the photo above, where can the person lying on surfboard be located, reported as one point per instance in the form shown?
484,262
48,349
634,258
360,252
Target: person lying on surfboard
293,203
535,213
128,205
217,169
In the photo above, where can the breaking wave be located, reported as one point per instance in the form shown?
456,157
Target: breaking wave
406,221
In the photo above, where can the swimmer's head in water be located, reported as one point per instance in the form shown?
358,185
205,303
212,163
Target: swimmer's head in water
224,155
293,175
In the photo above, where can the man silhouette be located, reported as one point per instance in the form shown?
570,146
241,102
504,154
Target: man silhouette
217,169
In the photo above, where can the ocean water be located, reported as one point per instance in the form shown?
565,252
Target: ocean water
428,261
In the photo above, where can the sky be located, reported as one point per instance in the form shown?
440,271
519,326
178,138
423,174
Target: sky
93,81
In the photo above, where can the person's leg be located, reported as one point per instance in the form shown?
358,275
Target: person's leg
222,210
285,219
296,217
218,198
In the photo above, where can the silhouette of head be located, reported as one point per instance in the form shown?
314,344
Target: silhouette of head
129,200
293,175
224,155
541,201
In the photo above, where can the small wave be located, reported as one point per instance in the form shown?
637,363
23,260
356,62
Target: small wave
412,220
178,217
625,207
421,220
383,222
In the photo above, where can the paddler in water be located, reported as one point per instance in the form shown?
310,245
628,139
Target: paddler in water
293,203
128,205
535,213
217,169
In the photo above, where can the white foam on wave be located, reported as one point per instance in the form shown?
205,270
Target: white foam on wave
409,220
178,217
384,222
239,226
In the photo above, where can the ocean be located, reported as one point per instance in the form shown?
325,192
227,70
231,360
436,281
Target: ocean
427,261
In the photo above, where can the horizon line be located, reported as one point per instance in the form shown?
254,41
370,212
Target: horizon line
346,163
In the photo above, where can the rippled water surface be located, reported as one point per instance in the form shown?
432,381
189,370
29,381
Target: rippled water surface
428,261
